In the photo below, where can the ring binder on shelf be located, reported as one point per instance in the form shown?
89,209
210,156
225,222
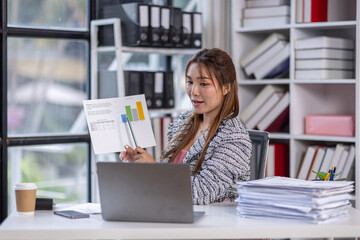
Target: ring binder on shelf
148,86
186,29
159,90
196,33
133,83
155,26
165,26
135,19
175,27
169,100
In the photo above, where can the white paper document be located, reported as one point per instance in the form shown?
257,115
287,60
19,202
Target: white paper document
116,122
92,208
289,198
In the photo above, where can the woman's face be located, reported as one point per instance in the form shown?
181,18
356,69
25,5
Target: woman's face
205,93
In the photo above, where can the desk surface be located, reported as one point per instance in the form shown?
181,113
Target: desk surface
219,222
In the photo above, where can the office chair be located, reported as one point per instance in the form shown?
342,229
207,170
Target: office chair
260,144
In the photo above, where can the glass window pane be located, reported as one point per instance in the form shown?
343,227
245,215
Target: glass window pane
54,14
59,170
47,81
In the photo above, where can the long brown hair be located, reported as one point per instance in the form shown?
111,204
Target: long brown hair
220,67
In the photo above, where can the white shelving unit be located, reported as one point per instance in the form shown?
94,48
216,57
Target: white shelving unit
335,96
118,49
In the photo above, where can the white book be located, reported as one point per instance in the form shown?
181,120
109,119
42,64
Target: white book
263,110
270,163
342,161
262,47
317,162
337,155
324,74
324,64
349,161
306,162
267,11
324,42
258,101
327,159
265,57
324,53
307,11
278,58
299,11
275,112
266,3
266,21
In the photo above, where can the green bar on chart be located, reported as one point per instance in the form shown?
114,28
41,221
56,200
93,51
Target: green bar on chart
128,113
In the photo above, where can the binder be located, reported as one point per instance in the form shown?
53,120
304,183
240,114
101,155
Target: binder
148,87
169,100
186,29
133,83
175,27
135,24
196,33
159,89
155,26
165,14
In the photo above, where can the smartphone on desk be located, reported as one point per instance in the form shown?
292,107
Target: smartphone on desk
71,214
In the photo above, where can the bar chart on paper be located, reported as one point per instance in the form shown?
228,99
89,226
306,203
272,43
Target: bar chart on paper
116,122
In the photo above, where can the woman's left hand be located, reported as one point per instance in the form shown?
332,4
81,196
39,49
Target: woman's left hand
143,156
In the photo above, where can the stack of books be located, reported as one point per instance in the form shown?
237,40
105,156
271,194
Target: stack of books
324,58
264,13
293,199
268,111
322,158
270,59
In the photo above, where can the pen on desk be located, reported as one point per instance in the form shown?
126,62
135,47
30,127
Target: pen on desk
132,133
331,175
327,176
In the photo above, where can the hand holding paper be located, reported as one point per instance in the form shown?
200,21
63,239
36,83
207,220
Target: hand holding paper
109,123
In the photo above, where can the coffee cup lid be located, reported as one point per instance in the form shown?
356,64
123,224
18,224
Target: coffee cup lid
25,186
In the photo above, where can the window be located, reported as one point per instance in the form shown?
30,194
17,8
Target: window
54,14
46,85
45,78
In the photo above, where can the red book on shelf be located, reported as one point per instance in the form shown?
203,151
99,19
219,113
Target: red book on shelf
279,122
319,10
278,160
281,159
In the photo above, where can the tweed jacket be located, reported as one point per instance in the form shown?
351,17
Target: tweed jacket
226,160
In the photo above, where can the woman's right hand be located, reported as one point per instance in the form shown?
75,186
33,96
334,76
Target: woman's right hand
129,154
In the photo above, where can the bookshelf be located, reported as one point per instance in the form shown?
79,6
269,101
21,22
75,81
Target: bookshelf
310,96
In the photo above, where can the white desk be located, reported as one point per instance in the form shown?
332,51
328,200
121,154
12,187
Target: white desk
220,222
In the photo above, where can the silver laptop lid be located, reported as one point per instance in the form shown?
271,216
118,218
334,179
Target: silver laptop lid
145,192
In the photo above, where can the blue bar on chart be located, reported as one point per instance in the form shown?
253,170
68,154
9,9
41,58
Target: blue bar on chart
123,118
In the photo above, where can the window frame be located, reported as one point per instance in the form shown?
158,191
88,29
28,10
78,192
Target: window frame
8,142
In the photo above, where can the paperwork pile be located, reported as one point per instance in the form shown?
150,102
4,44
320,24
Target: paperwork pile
289,198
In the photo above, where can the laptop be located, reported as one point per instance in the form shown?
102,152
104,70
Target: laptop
146,192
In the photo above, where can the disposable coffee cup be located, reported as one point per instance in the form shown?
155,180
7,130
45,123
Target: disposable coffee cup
25,194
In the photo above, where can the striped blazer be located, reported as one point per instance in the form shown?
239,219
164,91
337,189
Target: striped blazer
226,160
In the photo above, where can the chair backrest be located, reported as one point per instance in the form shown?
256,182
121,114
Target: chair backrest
260,143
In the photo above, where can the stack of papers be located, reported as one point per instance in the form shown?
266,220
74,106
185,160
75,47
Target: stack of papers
289,198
